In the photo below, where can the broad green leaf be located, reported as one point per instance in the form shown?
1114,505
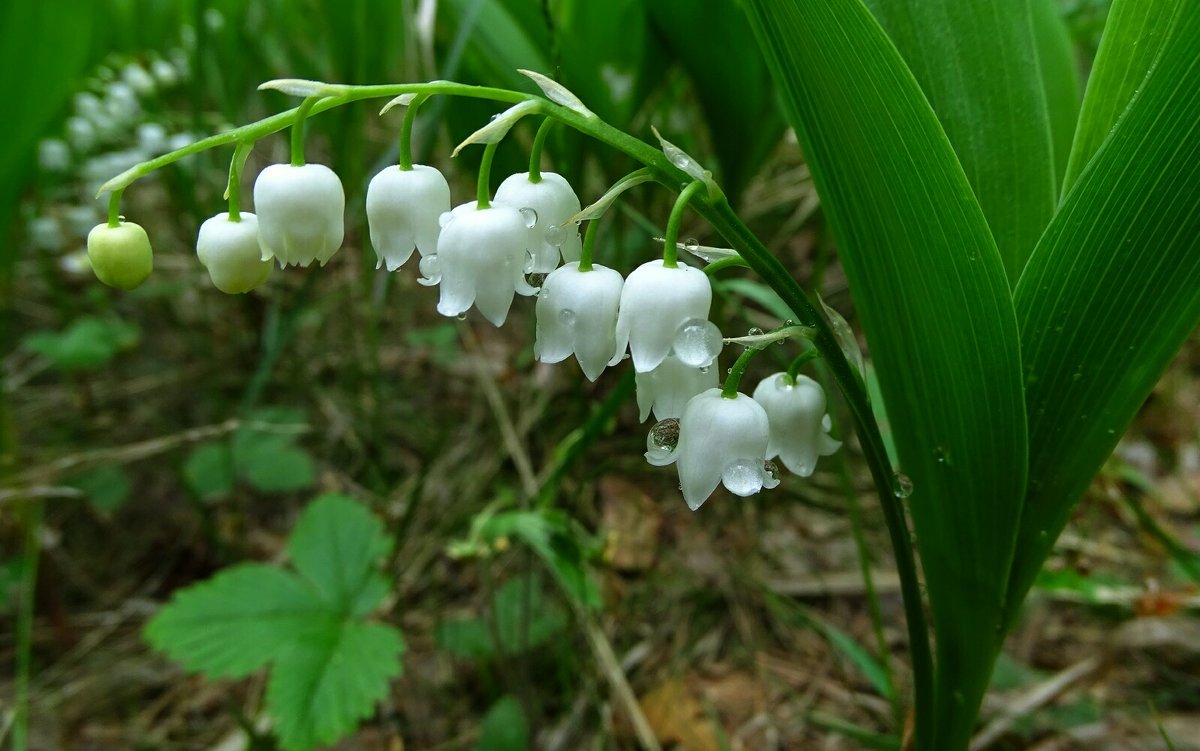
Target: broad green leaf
504,727
1133,38
89,342
550,535
977,62
505,36
734,87
208,470
267,457
107,488
336,546
1111,293
324,684
603,49
930,289
236,622
1060,79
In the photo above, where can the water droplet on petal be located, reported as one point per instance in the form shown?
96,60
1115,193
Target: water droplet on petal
529,262
770,474
691,244
664,434
697,342
705,369
431,270
743,477
902,485
444,218
121,218
530,216
555,235
462,316
566,316
535,280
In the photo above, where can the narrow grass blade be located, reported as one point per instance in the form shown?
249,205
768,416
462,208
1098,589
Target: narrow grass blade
1111,293
1060,79
1133,38
977,62
929,286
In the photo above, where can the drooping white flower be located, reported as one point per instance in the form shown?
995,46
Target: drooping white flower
799,425
554,202
481,260
577,314
655,302
666,389
231,253
403,207
300,213
722,441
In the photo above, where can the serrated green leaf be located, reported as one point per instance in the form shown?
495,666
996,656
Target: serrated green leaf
1060,79
504,727
208,470
930,289
322,685
977,63
279,468
236,622
1133,38
1111,293
107,488
336,545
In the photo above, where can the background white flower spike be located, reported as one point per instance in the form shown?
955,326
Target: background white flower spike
231,253
655,302
722,441
577,314
554,201
300,213
403,207
481,256
799,425
665,391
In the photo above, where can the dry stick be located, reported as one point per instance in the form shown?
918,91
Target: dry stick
601,646
1034,699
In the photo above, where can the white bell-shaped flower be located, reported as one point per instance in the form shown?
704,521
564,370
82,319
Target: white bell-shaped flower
655,302
230,252
481,260
665,391
554,201
403,207
799,424
722,441
300,213
577,314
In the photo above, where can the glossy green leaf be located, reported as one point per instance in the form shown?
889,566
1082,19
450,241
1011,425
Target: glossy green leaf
977,62
1112,292
1060,78
1133,38
734,87
930,289
603,49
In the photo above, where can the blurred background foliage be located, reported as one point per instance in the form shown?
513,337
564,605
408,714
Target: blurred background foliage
181,430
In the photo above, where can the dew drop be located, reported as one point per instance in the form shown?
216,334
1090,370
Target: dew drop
691,244
902,485
431,270
697,342
530,216
529,262
566,317
462,316
770,474
535,280
444,218
555,235
121,218
705,369
664,434
755,331
743,477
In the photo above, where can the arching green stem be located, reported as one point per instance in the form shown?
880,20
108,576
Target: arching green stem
535,153
800,361
670,251
483,194
298,130
589,245
721,264
734,379
233,191
410,114
114,208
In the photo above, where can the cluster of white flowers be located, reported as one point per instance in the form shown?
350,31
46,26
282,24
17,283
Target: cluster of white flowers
482,255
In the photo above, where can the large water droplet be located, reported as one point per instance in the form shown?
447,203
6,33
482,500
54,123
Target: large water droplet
691,244
530,216
535,280
770,474
462,316
697,342
566,317
902,485
664,434
555,235
755,331
743,477
431,270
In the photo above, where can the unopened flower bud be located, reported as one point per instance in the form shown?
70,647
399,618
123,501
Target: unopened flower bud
121,255
230,252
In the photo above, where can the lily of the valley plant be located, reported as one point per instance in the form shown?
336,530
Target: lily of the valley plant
1023,267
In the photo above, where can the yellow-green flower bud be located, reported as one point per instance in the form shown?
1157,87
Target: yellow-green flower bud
121,255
